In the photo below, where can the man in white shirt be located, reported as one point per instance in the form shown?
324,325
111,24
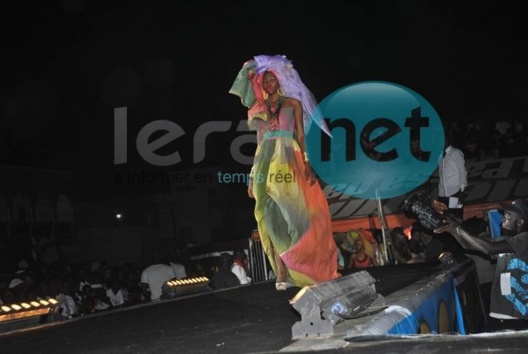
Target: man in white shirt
179,270
153,277
452,181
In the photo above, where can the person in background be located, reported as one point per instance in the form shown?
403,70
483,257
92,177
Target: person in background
416,250
360,259
132,287
68,307
473,151
91,301
224,277
240,266
153,277
340,259
400,242
509,303
115,293
179,270
452,180
434,245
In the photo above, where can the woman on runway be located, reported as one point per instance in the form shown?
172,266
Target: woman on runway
291,210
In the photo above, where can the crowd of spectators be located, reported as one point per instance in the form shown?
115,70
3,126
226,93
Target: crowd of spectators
91,287
490,139
80,288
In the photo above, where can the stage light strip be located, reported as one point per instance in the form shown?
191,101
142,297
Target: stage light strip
191,281
173,288
9,312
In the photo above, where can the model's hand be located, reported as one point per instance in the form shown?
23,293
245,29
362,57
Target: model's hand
309,174
250,191
251,74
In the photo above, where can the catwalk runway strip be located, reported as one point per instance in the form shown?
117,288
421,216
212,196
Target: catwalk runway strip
246,319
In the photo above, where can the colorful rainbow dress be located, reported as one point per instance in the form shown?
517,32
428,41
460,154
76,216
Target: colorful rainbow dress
292,216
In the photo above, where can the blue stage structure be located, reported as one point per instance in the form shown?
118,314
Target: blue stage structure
421,299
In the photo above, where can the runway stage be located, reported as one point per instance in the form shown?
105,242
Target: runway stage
258,319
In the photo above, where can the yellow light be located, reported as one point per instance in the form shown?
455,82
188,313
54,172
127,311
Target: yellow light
24,314
27,309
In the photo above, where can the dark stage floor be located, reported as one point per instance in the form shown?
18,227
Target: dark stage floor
248,319
242,320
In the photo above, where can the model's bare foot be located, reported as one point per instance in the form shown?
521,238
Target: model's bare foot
282,274
281,286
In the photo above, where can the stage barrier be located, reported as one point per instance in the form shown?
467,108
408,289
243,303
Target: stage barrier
393,300
446,302
259,266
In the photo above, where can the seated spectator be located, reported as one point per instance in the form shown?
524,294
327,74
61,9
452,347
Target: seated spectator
154,276
93,299
7,296
68,307
416,251
240,266
224,277
360,259
88,300
18,289
179,270
115,293
400,245
132,290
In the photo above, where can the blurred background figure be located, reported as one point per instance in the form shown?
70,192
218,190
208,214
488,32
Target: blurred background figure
115,293
360,259
400,244
224,277
154,276
452,181
240,266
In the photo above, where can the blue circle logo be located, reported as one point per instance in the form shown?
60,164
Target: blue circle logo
386,140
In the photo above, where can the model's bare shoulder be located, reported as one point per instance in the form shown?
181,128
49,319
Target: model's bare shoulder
292,102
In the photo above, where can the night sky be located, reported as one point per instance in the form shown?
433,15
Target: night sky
68,64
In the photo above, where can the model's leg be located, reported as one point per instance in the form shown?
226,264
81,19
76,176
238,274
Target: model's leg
282,274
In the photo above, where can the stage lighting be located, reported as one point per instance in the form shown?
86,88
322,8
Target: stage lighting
17,315
324,305
175,288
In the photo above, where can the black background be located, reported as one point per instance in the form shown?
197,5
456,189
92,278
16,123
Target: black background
67,64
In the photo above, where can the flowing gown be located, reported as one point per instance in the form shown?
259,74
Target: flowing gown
292,216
